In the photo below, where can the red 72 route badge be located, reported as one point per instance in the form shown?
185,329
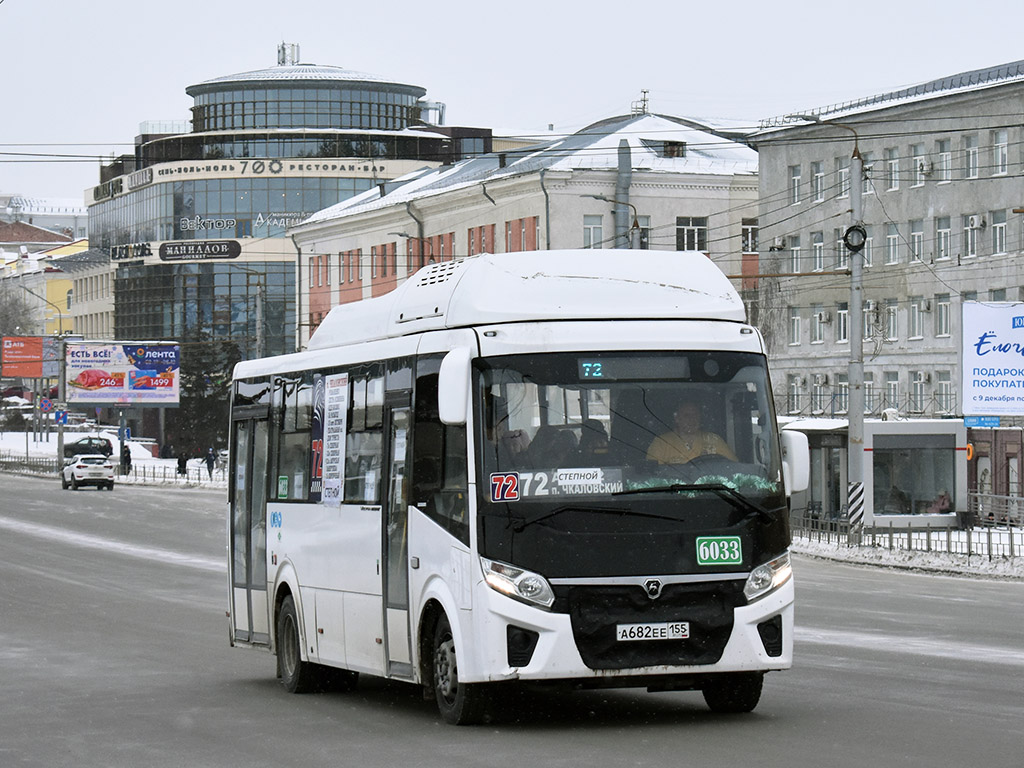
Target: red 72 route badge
505,486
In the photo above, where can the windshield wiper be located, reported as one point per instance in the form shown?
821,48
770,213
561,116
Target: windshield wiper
724,491
521,523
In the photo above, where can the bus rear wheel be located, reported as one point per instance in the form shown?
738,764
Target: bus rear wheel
459,703
297,676
735,693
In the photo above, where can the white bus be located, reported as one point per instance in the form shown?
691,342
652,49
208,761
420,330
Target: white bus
479,478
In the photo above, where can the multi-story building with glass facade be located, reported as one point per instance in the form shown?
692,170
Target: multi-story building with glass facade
195,220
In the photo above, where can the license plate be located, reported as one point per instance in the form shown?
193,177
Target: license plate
665,630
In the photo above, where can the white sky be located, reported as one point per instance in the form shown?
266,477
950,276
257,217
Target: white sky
80,76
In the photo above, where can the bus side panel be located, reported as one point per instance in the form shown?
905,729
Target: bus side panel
446,573
356,569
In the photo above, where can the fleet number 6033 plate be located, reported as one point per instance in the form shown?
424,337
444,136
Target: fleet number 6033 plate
665,630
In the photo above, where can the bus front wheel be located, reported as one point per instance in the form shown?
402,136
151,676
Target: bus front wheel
459,703
297,676
738,692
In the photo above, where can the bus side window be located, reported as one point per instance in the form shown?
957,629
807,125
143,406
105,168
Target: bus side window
294,400
439,459
364,442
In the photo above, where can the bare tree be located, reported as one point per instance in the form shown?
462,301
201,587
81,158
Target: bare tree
15,314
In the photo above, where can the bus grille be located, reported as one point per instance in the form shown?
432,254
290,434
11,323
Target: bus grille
596,610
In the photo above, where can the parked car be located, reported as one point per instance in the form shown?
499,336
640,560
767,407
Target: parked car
88,469
88,445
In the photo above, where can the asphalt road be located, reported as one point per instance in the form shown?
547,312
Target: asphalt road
114,652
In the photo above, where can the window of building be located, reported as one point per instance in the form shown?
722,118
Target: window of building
870,319
749,235
794,326
892,169
998,219
920,164
944,396
970,157
915,318
842,323
1000,157
793,243
794,184
997,294
819,394
892,244
842,393
643,237
892,328
373,261
945,152
818,319
842,177
868,183
691,233
916,240
842,254
868,251
817,181
593,231
917,397
892,390
818,250
794,392
942,316
870,394
943,244
970,228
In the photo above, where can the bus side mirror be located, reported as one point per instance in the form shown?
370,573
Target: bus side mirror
453,387
796,461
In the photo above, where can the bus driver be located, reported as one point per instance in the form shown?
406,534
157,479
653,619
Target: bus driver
687,440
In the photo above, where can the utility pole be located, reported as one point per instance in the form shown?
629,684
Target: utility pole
854,239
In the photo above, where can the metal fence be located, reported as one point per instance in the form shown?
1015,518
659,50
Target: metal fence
991,536
33,464
141,473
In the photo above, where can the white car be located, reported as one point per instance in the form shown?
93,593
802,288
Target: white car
88,469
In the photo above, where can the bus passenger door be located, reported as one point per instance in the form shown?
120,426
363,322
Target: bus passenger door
249,531
396,543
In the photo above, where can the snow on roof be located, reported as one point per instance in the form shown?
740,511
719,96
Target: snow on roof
299,73
53,205
963,82
593,148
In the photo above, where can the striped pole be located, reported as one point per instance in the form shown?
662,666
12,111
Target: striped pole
855,494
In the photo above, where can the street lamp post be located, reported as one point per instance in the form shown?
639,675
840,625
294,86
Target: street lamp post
61,373
854,240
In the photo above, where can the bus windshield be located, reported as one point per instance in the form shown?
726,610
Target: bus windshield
597,425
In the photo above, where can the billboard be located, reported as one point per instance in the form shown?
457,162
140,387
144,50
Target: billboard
993,359
122,373
22,356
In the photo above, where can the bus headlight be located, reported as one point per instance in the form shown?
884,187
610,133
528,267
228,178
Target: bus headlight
522,585
768,577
